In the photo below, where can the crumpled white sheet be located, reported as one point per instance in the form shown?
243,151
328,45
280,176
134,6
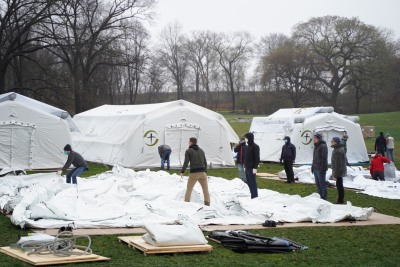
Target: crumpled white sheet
357,178
125,198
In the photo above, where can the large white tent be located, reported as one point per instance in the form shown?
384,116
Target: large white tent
300,124
32,133
129,135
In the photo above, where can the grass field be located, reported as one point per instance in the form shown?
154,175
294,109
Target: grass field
328,246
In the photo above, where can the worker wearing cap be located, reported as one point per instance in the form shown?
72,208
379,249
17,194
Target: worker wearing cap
75,159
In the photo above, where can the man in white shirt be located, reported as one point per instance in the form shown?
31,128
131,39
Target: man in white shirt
390,147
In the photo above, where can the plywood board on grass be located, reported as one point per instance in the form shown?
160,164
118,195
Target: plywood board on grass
41,260
265,174
138,243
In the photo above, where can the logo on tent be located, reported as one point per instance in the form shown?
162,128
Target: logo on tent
306,137
151,138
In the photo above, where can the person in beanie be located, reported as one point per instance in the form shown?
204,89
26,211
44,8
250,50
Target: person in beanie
198,170
77,160
320,164
339,168
376,168
164,151
288,156
251,164
240,150
380,144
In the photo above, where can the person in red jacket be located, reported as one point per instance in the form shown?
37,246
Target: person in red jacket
376,168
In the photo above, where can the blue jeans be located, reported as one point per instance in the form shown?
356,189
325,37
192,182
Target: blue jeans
252,183
165,157
74,173
390,154
242,175
320,182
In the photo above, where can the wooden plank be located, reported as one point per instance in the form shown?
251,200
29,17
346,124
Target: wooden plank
139,243
265,174
50,259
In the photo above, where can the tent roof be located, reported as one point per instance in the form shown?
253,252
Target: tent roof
305,112
34,104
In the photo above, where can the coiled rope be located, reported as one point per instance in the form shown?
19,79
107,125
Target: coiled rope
63,245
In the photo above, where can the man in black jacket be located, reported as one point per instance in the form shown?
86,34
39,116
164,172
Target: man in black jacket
380,144
320,164
198,170
288,156
251,164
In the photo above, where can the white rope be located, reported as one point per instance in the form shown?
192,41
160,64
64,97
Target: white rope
63,245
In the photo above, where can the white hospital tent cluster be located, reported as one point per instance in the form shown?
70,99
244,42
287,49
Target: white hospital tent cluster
32,133
300,124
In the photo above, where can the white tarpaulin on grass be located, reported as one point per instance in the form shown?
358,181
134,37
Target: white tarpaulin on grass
357,178
125,198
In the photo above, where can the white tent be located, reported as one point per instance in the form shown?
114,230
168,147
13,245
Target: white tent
129,135
32,134
300,124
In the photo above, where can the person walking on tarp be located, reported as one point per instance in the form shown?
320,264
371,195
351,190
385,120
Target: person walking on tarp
251,164
240,150
75,159
339,168
376,168
288,156
320,165
380,144
165,153
198,170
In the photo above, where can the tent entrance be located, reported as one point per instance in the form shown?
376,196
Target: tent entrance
16,141
330,131
177,137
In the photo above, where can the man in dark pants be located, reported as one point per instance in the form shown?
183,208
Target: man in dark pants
339,168
251,164
288,156
380,144
77,160
165,152
320,165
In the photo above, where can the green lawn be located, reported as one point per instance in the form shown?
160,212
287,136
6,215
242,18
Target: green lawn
328,246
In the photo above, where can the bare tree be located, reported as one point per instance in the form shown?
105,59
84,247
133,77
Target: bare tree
20,31
172,55
136,54
233,50
335,42
203,60
85,32
287,66
155,79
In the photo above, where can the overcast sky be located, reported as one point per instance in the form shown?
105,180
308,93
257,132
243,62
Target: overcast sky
262,17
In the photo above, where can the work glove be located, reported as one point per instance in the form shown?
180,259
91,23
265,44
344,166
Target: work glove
59,172
254,171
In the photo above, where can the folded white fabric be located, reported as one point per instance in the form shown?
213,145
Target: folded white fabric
161,235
